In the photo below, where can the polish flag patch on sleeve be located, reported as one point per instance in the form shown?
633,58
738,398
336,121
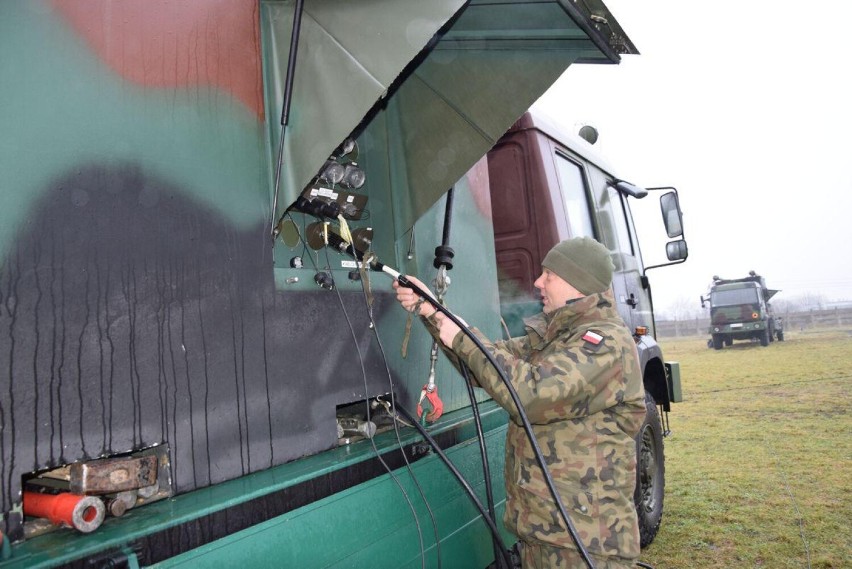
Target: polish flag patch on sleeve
592,337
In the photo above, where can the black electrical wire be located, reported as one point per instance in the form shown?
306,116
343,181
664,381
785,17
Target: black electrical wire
373,443
396,427
443,259
495,533
483,452
403,281
500,552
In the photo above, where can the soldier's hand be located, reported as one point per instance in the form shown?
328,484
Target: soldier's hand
411,301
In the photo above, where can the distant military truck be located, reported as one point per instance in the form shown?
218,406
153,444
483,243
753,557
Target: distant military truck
740,310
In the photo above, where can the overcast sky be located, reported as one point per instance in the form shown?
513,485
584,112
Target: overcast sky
746,107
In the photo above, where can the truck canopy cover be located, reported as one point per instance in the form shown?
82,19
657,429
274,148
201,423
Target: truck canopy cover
446,106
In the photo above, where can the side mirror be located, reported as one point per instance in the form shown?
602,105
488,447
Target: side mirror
672,217
676,250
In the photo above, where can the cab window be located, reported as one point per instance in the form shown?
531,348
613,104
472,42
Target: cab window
574,197
619,220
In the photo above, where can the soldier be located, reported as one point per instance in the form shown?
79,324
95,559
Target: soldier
577,374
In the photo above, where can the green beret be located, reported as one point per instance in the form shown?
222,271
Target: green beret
583,262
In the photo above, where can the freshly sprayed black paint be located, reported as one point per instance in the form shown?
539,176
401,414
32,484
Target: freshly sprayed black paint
131,316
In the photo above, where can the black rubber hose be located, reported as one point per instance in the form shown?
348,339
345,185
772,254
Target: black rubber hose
495,533
448,217
572,531
483,450
443,258
444,253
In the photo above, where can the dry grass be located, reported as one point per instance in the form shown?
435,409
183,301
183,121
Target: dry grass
759,465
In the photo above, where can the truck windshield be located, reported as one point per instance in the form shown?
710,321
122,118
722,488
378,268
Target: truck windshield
735,296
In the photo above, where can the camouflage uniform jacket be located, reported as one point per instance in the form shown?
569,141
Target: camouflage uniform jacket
586,403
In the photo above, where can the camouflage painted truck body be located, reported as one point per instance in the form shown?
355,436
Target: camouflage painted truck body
740,310
145,309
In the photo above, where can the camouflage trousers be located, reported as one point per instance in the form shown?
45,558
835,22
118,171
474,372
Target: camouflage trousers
538,556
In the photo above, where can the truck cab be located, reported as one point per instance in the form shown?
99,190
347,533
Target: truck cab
740,310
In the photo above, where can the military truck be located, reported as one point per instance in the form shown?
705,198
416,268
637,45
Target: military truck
194,369
740,310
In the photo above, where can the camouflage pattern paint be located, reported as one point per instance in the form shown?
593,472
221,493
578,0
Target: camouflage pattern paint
137,296
175,45
140,299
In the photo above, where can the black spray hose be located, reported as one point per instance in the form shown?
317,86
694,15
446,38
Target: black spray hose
443,258
495,533
403,281
483,451
444,253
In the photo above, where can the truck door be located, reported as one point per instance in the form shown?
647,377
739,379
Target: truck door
619,235
615,231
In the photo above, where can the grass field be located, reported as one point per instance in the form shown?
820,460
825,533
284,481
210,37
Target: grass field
759,463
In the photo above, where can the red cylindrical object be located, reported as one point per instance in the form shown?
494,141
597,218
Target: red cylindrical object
84,513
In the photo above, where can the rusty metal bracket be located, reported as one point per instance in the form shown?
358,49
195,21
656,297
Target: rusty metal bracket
113,475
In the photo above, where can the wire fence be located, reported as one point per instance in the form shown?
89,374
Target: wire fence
792,321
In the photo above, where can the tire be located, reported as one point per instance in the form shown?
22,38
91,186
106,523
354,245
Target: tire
729,340
764,338
717,341
650,474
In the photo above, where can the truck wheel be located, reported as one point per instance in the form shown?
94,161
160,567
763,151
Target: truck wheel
764,338
729,340
717,341
650,474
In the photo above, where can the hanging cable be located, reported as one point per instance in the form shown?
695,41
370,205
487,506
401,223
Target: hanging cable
372,442
495,533
443,262
398,438
395,426
483,452
444,255
500,549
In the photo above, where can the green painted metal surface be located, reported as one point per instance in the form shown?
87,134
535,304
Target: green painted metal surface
370,522
371,525
70,111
